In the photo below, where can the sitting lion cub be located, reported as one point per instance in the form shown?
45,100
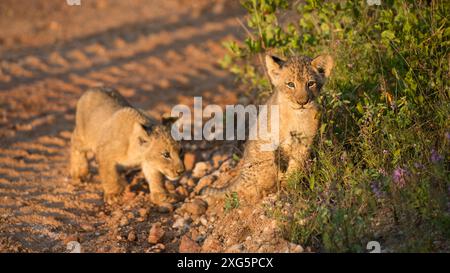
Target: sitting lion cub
122,137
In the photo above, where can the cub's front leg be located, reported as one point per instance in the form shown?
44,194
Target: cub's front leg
79,166
297,160
158,192
113,184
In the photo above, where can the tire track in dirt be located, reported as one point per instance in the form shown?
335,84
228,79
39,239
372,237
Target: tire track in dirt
155,64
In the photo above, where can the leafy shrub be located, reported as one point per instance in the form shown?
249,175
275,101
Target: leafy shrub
380,165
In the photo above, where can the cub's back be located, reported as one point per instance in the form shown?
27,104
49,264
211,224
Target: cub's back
94,109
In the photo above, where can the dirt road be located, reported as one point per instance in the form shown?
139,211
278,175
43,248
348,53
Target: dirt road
156,53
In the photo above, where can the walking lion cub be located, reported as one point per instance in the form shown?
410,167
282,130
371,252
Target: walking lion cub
122,137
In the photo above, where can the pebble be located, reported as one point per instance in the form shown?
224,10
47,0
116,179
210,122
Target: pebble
204,182
190,182
294,248
158,248
189,161
201,169
196,207
131,236
179,223
203,221
156,233
187,245
143,212
182,191
130,215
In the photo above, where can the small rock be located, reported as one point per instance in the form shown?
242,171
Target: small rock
190,182
179,223
196,207
189,161
294,248
203,221
131,236
130,216
204,182
156,233
159,247
187,245
143,212
201,169
182,191
202,230
211,245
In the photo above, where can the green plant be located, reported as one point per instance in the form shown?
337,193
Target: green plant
231,201
380,165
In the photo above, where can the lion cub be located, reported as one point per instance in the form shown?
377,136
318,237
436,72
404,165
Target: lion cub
122,137
297,82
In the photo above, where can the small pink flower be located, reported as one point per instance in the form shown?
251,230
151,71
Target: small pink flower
399,177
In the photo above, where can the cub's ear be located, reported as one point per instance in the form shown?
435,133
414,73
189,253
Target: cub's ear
274,65
323,64
148,128
167,120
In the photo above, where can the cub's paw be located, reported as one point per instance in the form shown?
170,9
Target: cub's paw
163,200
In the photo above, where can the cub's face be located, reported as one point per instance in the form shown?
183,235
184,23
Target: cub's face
299,78
159,151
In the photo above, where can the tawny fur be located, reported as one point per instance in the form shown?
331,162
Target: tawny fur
122,137
297,82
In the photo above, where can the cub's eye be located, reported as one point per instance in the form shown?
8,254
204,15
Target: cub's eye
291,85
311,84
166,154
142,141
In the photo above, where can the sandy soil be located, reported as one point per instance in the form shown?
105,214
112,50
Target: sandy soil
157,54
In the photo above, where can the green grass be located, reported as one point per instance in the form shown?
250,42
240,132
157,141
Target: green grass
231,202
380,164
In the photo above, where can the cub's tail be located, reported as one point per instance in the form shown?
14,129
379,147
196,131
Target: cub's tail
222,191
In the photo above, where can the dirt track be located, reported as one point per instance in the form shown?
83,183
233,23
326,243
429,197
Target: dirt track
157,53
